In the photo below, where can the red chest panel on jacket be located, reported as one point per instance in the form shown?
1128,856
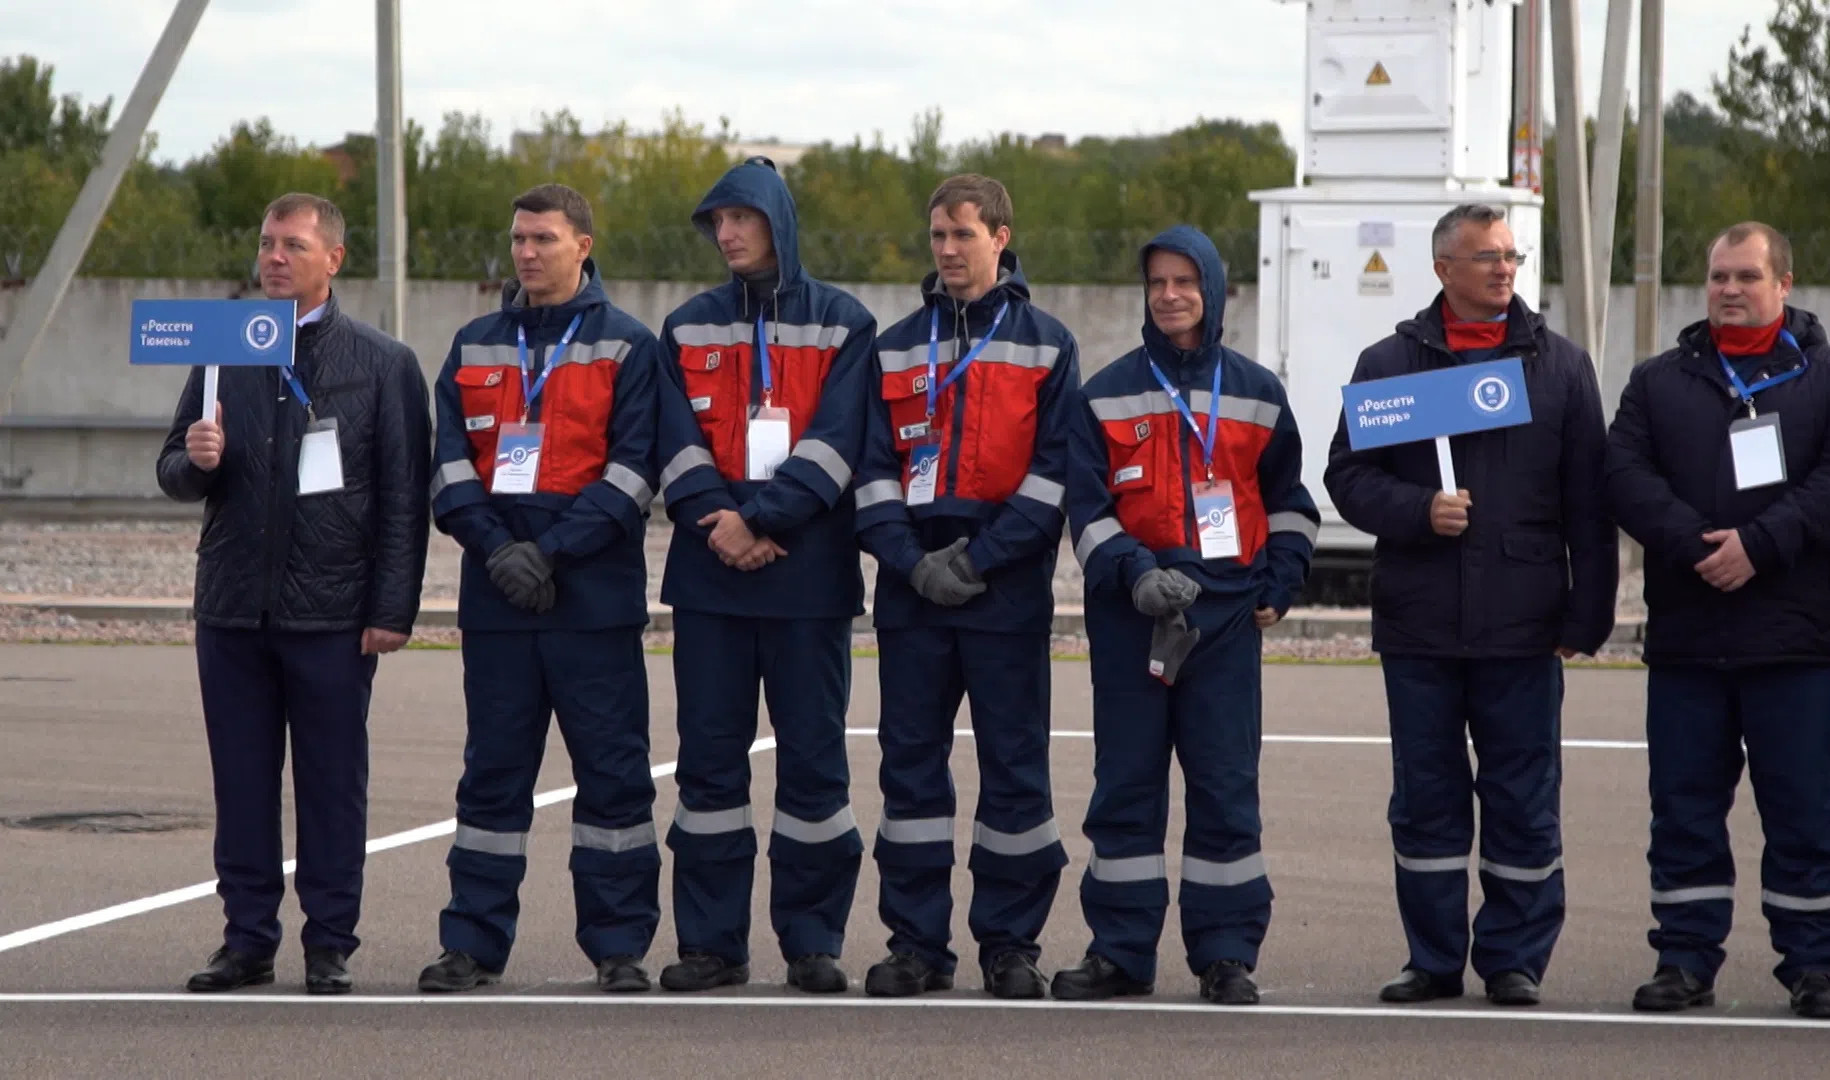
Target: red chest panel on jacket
717,365
996,436
575,406
1144,453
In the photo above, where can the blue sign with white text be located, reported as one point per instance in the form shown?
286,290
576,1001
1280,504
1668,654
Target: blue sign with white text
241,333
1449,401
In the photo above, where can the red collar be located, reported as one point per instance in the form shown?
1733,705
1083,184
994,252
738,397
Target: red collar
1464,336
1746,340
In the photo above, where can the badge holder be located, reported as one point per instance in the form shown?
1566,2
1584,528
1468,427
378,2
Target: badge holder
320,458
924,471
768,441
1758,451
517,469
1217,519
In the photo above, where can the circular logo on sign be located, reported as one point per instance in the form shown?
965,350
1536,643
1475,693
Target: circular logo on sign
1216,518
518,455
262,332
927,463
1491,394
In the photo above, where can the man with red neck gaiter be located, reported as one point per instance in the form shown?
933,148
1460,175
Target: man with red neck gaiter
1478,596
1719,463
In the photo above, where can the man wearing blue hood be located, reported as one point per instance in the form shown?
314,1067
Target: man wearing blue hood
761,424
959,499
544,473
1191,521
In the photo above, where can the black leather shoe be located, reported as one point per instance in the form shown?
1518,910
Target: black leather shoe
1811,996
455,971
326,972
1672,989
703,971
1096,979
228,970
1013,976
622,975
1413,986
817,974
1227,982
904,975
1512,988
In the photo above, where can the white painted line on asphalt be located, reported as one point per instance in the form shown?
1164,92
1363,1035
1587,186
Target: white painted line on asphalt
32,935
1316,740
663,1001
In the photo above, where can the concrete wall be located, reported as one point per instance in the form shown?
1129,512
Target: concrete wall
86,425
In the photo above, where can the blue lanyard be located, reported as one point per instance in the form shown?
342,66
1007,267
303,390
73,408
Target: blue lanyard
762,357
1747,392
530,393
298,389
1207,441
934,390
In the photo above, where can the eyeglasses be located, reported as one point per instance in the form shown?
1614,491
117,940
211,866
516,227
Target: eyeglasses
1488,258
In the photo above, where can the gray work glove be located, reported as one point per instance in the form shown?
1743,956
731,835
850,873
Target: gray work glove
962,568
936,580
1171,640
525,575
1163,592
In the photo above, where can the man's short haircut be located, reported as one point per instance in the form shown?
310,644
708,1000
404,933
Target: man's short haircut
330,219
550,197
1778,248
1442,238
982,191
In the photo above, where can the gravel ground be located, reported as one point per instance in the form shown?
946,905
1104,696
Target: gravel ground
157,560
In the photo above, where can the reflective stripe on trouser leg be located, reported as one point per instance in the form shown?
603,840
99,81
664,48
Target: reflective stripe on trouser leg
712,837
1225,896
1515,724
1788,759
920,681
507,710
1693,755
599,687
814,846
1016,855
1124,893
1431,812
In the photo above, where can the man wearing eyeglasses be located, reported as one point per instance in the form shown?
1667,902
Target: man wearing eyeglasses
1478,597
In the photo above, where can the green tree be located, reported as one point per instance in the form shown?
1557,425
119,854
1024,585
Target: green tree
33,118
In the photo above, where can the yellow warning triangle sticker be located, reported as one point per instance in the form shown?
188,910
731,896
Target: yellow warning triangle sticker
1376,265
1378,77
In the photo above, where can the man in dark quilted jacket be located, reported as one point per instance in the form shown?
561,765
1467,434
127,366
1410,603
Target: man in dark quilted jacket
301,585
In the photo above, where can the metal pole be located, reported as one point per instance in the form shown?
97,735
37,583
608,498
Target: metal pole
118,153
1527,97
1649,202
1578,259
390,171
1604,186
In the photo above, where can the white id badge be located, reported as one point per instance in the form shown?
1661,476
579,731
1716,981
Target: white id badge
768,442
517,459
924,471
320,459
1759,455
1218,522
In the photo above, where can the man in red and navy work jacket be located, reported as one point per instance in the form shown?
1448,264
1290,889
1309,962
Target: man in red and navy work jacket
553,595
960,501
1477,598
757,449
1191,520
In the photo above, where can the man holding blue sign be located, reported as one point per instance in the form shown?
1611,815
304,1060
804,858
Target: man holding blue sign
1481,587
1719,463
312,468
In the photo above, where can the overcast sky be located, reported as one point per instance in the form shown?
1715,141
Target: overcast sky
800,70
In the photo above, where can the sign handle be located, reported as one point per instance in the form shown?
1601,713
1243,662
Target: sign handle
1446,463
209,392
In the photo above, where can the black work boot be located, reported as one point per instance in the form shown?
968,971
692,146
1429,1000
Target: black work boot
1673,989
1413,986
1227,982
817,974
621,975
703,971
454,971
1811,995
1013,976
326,971
1512,988
230,970
904,975
1096,979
